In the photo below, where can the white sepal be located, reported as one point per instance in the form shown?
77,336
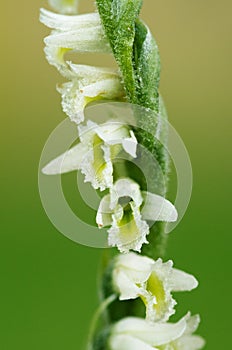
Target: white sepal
182,281
65,23
157,208
68,161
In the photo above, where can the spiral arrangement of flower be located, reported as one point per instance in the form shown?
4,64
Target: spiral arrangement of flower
137,285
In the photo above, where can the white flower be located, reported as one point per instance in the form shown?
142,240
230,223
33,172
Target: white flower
89,84
81,33
98,147
137,334
153,281
64,6
126,210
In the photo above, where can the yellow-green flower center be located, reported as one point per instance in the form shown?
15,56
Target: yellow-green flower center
129,231
156,289
99,163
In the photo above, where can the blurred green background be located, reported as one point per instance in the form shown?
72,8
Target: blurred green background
48,283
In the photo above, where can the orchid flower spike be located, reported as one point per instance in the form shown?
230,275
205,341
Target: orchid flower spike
137,276
126,209
94,155
136,334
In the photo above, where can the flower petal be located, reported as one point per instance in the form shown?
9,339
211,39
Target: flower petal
126,342
80,40
124,286
75,95
158,208
155,334
73,102
126,188
137,267
130,144
65,23
182,281
55,56
97,167
85,38
158,299
66,162
190,342
120,133
128,235
91,73
192,323
104,213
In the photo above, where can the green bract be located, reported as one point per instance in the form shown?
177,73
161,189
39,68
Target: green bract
135,50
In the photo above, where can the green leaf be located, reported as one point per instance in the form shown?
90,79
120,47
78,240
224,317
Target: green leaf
147,67
118,19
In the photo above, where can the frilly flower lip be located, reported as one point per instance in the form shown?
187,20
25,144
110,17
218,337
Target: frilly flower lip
87,85
94,154
136,334
153,281
64,6
126,209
